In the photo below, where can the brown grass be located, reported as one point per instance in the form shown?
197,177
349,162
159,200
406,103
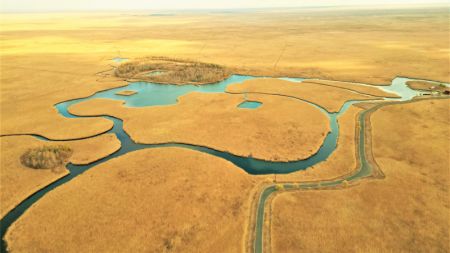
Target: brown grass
174,71
46,157
405,212
27,100
17,181
369,90
46,59
341,162
330,98
177,201
282,129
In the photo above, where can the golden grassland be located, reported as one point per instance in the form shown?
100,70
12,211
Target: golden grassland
142,202
374,46
17,181
405,212
173,71
281,129
330,98
49,58
363,89
31,85
341,162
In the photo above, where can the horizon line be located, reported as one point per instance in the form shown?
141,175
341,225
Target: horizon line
446,4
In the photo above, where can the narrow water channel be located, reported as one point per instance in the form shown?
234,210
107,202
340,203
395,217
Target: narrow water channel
399,87
151,94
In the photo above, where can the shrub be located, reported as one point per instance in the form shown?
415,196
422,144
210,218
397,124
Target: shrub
279,187
173,71
345,183
46,157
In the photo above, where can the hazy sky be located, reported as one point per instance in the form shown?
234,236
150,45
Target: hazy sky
43,5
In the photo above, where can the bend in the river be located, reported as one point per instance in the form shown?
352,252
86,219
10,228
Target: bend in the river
364,170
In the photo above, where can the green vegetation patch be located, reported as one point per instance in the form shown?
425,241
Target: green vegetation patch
46,157
171,70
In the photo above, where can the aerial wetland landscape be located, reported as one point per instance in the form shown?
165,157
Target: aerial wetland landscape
236,126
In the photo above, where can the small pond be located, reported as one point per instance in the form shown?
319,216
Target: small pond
119,59
250,104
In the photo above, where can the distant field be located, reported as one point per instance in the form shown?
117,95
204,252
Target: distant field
42,52
373,45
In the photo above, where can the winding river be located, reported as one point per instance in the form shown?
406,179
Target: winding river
151,94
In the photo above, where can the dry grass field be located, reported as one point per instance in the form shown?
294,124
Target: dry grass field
17,181
405,212
32,84
341,162
363,89
374,46
329,98
49,58
136,204
184,201
281,129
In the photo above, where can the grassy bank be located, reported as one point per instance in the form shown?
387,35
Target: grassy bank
429,86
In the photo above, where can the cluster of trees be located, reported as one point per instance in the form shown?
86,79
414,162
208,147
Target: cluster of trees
173,71
46,157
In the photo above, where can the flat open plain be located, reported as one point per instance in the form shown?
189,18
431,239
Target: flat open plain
183,206
179,200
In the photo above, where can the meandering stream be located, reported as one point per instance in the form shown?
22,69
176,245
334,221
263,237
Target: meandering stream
150,94
399,87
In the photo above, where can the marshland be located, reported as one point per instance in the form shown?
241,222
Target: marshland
275,128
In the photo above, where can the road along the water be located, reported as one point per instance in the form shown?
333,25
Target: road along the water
364,170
